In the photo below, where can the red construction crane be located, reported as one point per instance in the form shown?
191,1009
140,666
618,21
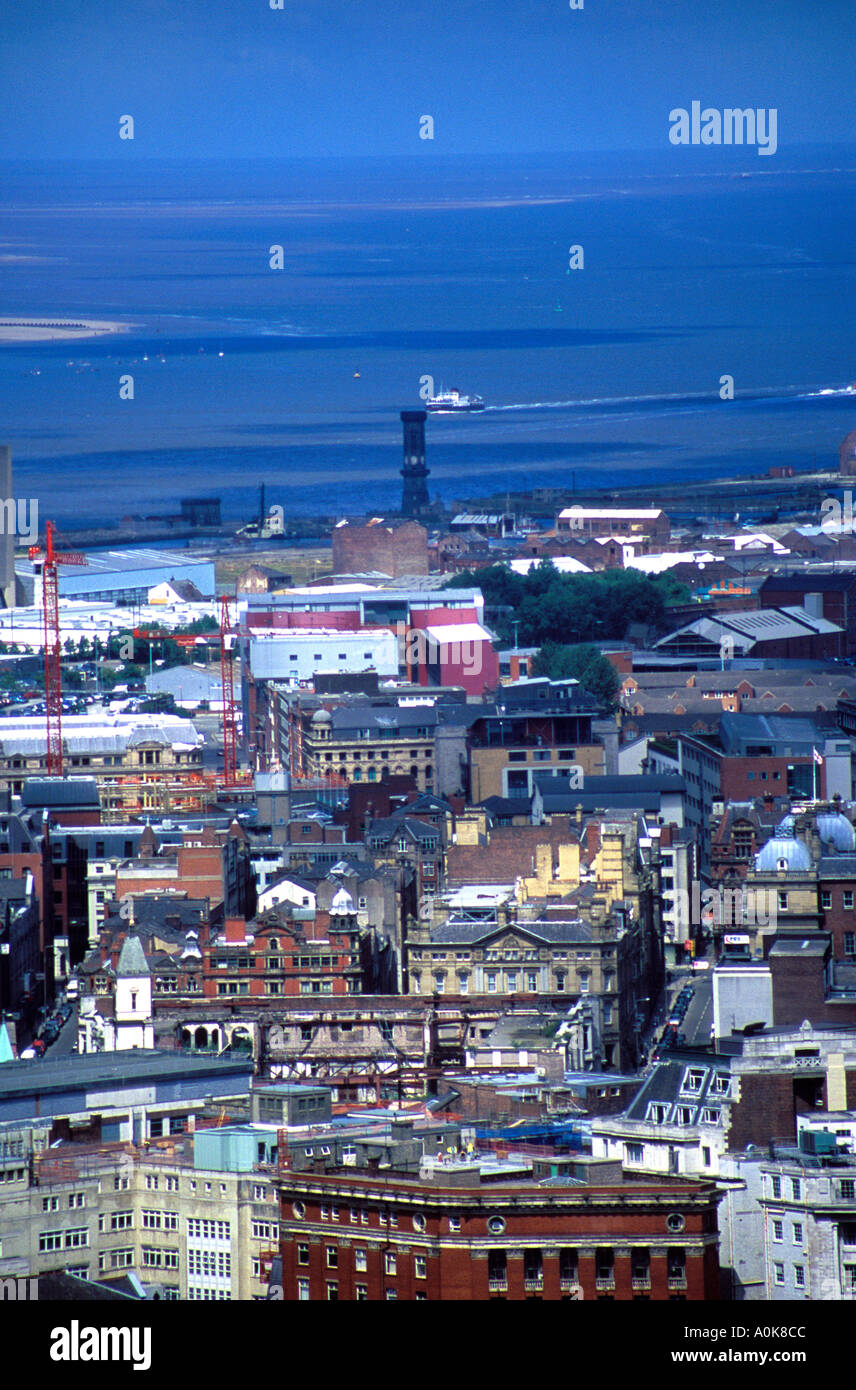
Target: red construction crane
230,721
53,650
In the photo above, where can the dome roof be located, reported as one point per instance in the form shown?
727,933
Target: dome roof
836,830
322,716
342,904
783,848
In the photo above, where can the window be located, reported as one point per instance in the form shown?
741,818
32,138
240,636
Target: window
361,1293
779,1273
778,1231
420,1267
151,1220
121,1220
303,1290
796,1189
848,1189
390,1262
332,1292
50,1240
798,1233
635,1153
560,979
303,1254
151,1179
776,1186
360,1261
847,898
799,1276
454,1223
391,1295
850,943
783,900
825,898
50,1204
77,1199
332,1257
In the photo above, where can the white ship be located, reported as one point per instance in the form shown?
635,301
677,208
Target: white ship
448,401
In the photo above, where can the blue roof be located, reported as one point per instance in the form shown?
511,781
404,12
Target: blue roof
792,852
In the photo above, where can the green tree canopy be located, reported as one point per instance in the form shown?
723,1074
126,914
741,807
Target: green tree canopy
583,663
547,606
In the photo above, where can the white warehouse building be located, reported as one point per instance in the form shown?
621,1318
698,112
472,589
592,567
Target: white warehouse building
299,654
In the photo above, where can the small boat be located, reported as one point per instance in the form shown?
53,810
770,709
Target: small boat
449,401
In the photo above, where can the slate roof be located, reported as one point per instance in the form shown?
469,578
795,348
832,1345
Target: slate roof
111,1070
667,1086
500,806
56,791
132,961
471,933
59,1287
810,581
382,831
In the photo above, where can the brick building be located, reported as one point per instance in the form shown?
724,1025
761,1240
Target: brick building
626,522
537,725
207,863
832,596
380,547
286,953
352,1236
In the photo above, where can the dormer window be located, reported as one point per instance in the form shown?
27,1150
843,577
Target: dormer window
782,865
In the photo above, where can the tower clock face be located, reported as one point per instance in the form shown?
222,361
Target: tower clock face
414,458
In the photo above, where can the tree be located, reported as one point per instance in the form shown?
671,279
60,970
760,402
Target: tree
583,663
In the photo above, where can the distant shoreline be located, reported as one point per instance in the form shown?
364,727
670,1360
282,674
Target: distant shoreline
27,330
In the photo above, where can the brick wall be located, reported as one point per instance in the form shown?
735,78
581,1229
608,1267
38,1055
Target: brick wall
393,550
510,851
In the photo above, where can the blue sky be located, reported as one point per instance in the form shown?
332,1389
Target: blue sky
234,78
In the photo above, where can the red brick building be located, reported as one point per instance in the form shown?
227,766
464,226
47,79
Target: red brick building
357,1236
380,547
286,952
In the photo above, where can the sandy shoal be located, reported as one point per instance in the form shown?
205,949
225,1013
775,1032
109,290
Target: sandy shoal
37,330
